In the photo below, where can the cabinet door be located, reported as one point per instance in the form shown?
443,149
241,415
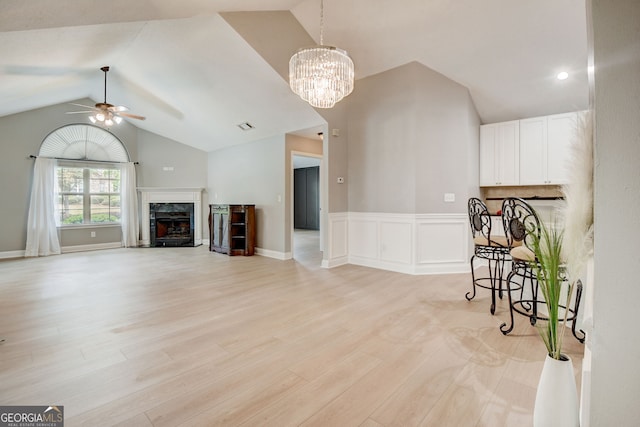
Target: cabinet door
488,175
533,151
499,154
220,230
508,150
561,132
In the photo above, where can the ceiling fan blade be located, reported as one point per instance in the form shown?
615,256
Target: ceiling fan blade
79,112
132,116
116,108
81,105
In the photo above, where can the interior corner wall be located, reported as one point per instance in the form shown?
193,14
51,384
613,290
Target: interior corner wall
473,150
335,151
253,173
382,137
615,350
448,141
411,134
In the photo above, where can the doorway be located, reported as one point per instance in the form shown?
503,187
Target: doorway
306,220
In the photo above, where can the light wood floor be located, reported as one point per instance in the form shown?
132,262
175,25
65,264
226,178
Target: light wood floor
185,337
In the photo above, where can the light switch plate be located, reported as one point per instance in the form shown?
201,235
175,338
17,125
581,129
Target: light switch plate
449,197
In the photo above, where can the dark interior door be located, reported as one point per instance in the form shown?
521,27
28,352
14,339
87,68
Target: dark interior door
306,194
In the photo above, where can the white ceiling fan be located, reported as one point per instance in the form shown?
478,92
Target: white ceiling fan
104,113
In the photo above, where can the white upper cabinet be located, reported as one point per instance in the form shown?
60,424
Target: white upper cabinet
527,152
499,154
544,148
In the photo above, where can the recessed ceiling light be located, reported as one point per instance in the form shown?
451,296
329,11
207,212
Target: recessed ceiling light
563,75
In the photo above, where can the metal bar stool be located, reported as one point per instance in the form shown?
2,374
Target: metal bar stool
520,222
493,249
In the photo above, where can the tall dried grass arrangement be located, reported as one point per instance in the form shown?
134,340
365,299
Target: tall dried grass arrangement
578,195
562,250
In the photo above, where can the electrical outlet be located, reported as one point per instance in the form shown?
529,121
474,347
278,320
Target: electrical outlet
93,234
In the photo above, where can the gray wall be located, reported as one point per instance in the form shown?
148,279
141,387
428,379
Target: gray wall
615,347
253,173
412,134
156,152
21,135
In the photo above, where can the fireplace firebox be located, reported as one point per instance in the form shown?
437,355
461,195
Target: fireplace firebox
171,224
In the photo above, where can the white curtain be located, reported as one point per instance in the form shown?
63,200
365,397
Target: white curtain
42,230
129,205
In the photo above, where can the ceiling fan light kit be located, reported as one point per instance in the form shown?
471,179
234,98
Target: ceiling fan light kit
106,114
321,75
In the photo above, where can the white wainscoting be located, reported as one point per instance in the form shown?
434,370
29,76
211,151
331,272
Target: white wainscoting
406,243
337,241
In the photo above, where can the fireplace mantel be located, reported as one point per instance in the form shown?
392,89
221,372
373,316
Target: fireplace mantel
170,195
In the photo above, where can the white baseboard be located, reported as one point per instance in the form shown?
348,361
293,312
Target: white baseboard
273,254
11,254
66,249
83,248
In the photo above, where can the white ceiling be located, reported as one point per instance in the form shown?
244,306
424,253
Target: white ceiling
184,67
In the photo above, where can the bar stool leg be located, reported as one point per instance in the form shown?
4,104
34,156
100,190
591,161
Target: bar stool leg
473,282
503,326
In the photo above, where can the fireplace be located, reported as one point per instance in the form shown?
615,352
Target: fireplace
172,221
171,224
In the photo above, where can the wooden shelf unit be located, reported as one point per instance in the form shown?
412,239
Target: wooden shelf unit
232,229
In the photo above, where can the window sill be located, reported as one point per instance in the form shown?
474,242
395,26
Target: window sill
81,226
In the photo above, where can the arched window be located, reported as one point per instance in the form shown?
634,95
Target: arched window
88,174
83,142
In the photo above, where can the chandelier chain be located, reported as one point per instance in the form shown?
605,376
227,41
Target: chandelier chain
321,22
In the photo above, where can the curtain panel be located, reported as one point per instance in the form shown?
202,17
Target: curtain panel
42,231
129,205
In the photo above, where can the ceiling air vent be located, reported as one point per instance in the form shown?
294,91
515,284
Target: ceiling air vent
246,126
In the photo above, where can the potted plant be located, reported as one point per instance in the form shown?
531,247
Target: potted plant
550,272
556,398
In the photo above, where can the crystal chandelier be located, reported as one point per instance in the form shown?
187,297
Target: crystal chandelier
321,75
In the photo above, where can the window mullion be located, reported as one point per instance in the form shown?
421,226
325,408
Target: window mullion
86,199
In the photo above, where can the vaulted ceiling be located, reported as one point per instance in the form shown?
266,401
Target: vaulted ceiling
195,78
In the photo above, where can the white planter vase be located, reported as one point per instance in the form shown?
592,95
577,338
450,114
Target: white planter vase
557,397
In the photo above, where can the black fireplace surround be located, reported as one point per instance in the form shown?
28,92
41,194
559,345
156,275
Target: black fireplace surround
171,224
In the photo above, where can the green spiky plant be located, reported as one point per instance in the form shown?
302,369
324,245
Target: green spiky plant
550,272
